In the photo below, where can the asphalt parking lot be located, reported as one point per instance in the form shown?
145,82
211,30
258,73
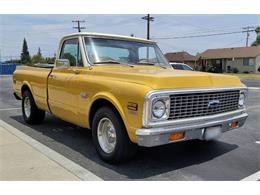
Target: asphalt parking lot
234,156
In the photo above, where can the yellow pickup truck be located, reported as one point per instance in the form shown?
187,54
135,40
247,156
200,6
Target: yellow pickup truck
125,91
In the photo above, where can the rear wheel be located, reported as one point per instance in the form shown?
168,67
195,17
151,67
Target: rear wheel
110,137
31,114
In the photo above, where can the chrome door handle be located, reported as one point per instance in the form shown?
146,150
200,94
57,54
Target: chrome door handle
76,71
53,76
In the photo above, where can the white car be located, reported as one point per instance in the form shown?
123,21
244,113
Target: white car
181,66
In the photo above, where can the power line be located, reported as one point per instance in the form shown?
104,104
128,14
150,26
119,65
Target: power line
248,29
203,35
78,24
149,19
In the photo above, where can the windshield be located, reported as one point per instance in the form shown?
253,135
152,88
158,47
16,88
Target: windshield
114,51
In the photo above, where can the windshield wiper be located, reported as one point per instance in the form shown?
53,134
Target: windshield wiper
107,62
145,63
151,64
113,62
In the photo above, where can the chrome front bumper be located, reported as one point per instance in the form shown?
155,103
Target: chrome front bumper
156,136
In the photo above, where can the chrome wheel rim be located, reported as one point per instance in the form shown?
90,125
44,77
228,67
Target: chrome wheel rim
106,134
27,107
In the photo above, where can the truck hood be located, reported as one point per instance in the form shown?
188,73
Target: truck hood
160,78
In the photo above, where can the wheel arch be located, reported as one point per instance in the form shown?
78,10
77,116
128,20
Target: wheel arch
106,100
25,86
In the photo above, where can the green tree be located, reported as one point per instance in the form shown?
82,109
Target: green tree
50,60
25,55
257,41
38,57
39,53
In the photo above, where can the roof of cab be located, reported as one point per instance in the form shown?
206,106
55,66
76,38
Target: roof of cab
112,36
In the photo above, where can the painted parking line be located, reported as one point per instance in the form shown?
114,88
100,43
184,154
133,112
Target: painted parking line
253,177
6,109
74,168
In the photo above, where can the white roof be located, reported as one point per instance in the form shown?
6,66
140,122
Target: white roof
113,36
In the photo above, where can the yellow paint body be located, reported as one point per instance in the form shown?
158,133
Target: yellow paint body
117,84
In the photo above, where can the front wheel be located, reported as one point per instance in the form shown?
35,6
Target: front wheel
110,137
31,114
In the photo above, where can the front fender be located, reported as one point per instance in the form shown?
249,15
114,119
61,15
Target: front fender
113,100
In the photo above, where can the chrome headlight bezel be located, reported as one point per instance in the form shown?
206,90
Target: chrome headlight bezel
165,101
148,116
242,98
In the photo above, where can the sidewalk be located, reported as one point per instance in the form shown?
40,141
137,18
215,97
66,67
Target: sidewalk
20,161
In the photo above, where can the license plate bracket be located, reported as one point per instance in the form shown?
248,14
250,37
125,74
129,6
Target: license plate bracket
212,133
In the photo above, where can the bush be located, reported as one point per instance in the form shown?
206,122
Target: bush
258,69
211,68
229,71
246,72
235,70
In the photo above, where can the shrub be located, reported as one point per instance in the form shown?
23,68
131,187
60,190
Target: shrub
246,72
211,68
258,69
235,70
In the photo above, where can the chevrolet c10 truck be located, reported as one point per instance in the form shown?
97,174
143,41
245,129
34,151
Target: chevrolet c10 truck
125,91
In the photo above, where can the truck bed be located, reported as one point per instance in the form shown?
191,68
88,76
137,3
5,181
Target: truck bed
36,78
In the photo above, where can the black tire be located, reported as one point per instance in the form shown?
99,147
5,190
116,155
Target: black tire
35,115
124,149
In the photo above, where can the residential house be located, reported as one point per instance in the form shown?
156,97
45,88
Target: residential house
182,57
245,59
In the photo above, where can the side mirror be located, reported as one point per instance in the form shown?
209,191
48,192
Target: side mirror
62,63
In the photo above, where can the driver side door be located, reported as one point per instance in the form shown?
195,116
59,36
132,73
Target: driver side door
63,82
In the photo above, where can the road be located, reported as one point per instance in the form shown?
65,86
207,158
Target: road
234,156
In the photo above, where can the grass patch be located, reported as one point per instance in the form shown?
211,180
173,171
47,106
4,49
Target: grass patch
246,76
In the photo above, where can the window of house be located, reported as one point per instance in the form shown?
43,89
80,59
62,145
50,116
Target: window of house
248,61
218,61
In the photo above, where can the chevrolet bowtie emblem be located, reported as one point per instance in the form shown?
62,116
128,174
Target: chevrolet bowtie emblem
213,104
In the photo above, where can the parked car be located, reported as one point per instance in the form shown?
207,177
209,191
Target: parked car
124,90
181,66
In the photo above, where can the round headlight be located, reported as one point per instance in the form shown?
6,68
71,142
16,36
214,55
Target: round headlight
158,109
242,98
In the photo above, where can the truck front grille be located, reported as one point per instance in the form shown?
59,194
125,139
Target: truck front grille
199,104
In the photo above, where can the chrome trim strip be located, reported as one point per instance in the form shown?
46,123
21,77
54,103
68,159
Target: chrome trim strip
158,93
191,90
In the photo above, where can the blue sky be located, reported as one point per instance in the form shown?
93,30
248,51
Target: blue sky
44,31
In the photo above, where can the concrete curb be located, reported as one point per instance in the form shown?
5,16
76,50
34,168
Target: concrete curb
69,165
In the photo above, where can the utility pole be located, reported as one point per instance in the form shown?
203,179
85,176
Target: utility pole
149,19
78,24
247,30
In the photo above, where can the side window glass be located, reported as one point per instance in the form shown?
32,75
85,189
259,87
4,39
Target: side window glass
71,52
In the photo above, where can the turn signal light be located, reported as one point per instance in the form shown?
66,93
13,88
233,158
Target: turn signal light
176,136
233,125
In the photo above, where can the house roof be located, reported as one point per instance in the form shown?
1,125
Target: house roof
180,56
238,52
